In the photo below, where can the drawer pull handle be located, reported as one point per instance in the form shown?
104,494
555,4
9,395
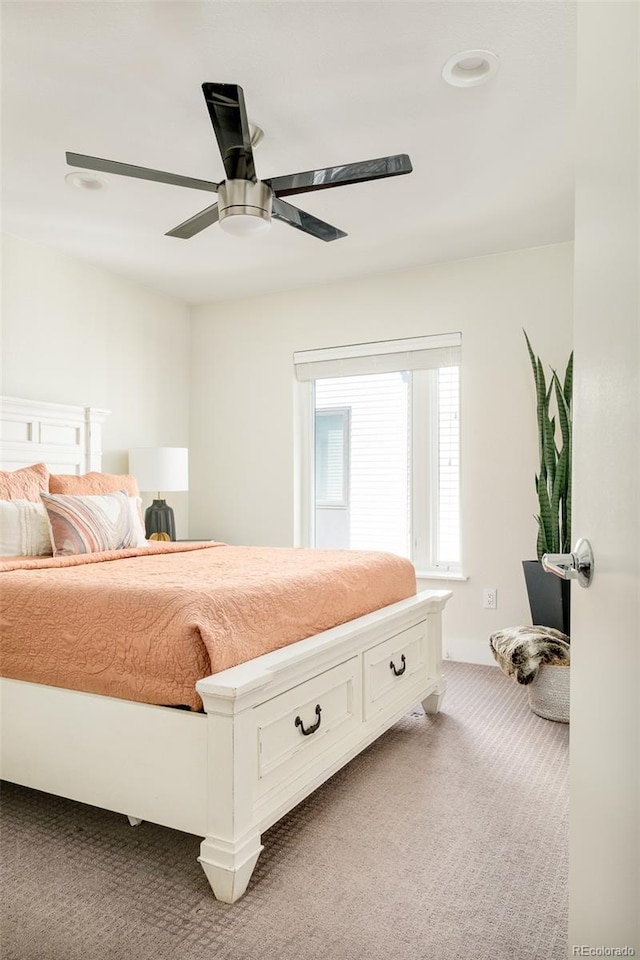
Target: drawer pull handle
398,673
313,727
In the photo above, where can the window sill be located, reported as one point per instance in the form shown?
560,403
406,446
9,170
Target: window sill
438,575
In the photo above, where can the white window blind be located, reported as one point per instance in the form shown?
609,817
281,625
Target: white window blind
414,353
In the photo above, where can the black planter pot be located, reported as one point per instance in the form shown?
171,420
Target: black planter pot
549,597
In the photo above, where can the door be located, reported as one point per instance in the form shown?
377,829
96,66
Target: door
605,677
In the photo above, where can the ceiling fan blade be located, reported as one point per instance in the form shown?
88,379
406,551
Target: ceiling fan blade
225,102
142,173
195,224
327,177
304,221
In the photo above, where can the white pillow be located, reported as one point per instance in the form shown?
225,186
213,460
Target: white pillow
24,529
135,506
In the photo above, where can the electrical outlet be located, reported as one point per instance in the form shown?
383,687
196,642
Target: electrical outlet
490,598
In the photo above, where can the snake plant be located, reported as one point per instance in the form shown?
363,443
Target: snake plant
553,481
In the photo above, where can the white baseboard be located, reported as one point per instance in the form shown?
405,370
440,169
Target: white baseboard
469,651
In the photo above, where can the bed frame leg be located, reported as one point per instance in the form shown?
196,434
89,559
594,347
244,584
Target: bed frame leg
432,703
229,866
134,821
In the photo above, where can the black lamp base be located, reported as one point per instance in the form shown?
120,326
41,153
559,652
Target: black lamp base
159,518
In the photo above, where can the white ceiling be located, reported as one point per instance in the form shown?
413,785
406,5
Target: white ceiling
330,83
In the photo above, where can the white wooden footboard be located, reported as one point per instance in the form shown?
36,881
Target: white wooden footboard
274,729
282,724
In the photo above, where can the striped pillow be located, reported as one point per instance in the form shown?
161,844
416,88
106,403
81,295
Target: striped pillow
90,524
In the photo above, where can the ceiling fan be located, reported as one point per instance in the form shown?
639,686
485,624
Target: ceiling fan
246,204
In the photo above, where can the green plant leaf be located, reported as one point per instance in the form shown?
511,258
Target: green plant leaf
541,545
548,522
568,382
542,392
566,506
564,411
560,483
539,382
550,453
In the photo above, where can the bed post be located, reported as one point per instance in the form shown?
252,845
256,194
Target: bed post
231,848
92,440
431,704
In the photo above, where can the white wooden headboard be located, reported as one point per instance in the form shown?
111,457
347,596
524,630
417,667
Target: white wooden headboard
67,438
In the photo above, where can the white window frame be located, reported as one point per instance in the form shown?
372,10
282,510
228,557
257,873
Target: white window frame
424,456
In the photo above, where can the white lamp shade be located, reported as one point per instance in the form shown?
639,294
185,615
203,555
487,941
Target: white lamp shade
160,468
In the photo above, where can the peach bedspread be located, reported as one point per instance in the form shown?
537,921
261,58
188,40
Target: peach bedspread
145,624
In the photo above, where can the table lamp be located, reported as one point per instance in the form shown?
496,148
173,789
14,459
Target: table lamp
160,469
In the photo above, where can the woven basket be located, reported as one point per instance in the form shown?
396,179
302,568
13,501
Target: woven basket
549,692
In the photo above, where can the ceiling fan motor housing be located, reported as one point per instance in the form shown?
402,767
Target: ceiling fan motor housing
244,198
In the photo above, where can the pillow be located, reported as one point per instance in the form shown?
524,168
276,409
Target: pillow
25,484
135,506
93,483
92,523
24,529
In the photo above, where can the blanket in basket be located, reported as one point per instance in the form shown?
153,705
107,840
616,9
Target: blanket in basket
519,651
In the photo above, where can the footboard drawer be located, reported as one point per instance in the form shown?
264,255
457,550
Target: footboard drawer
395,666
298,728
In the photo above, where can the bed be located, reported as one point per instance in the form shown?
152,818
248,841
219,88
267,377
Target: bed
258,736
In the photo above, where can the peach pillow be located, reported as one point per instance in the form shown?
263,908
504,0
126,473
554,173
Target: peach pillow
25,484
93,484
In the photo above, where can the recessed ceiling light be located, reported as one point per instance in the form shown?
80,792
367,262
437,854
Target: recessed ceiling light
84,180
256,133
470,68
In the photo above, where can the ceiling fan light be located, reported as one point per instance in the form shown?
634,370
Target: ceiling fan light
245,224
245,207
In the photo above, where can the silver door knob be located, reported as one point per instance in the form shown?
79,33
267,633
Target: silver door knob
572,566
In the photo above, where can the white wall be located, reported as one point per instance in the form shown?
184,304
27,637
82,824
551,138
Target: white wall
76,333
604,856
242,427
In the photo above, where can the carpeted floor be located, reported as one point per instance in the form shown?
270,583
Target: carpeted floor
445,840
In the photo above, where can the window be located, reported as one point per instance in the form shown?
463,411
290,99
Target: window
375,455
380,445
332,457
